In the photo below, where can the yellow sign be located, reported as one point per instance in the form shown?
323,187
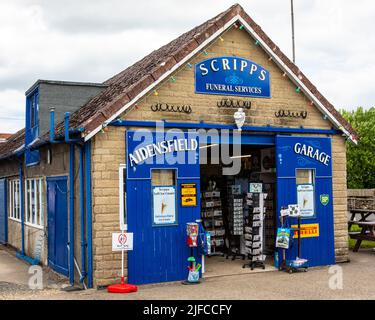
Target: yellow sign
188,194
186,191
188,201
307,230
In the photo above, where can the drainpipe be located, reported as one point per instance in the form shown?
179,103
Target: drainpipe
22,209
82,214
52,125
71,214
66,126
88,213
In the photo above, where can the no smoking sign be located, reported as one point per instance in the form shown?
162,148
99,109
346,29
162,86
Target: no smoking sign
122,241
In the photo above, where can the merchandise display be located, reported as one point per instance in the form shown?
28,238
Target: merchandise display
236,208
284,236
254,229
238,212
212,219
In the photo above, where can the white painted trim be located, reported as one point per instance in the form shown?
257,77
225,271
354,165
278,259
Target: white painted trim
14,219
122,199
32,225
271,53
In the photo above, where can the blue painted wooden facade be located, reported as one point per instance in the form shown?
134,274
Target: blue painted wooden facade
57,207
3,212
318,250
160,252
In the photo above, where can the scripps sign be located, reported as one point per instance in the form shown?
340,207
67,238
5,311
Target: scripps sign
233,76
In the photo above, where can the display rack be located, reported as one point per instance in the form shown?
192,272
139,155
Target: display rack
269,219
254,230
236,221
212,219
298,263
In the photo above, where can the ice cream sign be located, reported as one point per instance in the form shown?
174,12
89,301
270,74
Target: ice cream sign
233,76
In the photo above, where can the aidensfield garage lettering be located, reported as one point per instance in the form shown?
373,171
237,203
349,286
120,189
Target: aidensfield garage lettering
312,152
163,147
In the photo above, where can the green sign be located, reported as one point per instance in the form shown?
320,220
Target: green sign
324,199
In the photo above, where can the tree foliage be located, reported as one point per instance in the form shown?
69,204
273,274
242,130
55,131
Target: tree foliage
361,157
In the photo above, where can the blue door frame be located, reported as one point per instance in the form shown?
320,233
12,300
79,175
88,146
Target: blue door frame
160,252
3,212
57,207
319,250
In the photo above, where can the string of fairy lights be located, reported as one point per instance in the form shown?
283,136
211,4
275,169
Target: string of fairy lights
189,66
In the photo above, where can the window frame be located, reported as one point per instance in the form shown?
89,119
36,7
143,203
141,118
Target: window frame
34,210
312,176
122,198
174,185
14,213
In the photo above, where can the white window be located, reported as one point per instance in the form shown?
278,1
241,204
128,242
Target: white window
33,202
14,209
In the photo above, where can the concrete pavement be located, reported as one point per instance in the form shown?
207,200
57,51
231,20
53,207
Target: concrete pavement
358,283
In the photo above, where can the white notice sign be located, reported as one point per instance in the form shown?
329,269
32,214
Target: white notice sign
164,205
305,196
122,241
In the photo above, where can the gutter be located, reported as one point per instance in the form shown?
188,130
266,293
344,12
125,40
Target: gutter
204,125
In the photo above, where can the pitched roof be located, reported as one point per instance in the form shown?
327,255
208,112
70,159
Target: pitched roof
127,85
14,143
5,136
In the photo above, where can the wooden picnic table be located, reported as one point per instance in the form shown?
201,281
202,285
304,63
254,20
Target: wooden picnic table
367,232
364,213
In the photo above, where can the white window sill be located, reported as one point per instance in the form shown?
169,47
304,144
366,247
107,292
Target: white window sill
14,219
36,226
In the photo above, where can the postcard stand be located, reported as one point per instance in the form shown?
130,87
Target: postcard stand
297,264
236,222
254,231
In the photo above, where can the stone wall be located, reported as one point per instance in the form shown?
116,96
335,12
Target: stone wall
108,152
340,198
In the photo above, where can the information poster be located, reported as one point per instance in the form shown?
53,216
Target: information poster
188,194
305,197
164,205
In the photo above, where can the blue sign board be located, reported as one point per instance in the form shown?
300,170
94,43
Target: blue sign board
304,152
147,150
234,76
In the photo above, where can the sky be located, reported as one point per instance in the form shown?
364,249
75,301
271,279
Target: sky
91,41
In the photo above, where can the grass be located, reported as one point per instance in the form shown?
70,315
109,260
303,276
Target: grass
364,244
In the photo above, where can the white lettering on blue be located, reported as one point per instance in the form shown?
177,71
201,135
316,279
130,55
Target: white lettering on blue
313,153
152,150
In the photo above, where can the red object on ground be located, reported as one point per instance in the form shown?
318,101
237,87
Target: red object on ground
122,287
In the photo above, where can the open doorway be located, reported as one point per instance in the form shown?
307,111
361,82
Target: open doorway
229,205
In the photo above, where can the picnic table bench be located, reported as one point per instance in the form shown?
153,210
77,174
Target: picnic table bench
364,213
367,232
